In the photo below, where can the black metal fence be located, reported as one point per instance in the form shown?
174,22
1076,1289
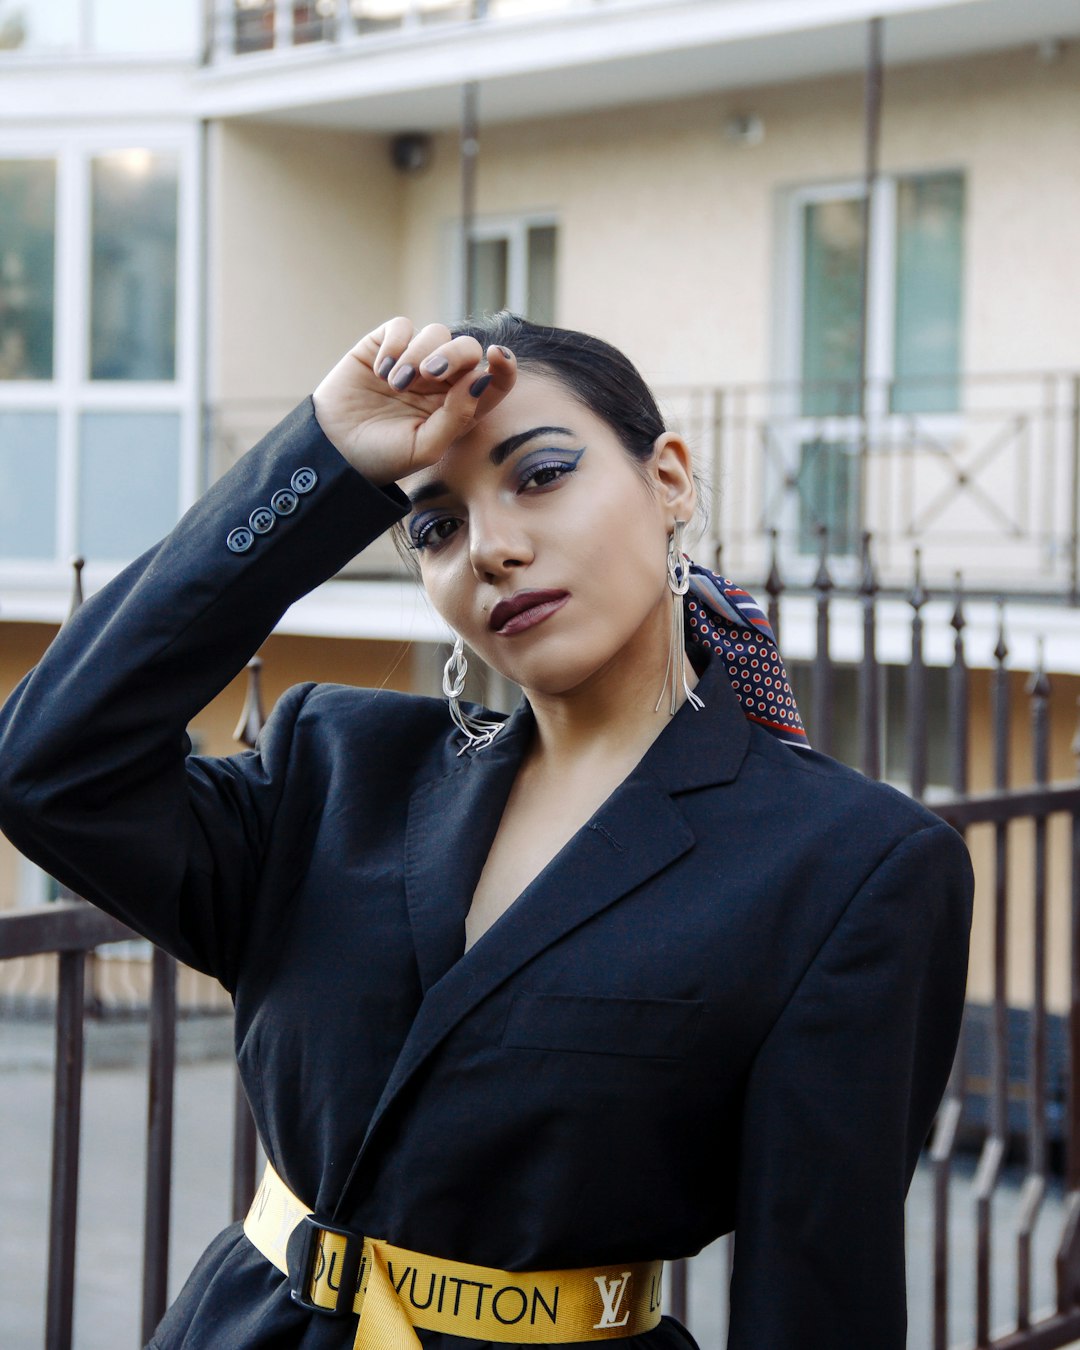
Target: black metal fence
1013,1104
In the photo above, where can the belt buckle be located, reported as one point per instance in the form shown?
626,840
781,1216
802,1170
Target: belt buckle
310,1231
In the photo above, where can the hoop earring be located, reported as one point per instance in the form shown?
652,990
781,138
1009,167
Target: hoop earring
678,577
478,733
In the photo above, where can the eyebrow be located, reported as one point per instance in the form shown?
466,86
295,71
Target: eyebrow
498,455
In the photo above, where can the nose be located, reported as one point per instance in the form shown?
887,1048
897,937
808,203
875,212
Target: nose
497,542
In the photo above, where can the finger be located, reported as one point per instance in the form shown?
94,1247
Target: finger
452,360
394,337
403,372
472,396
501,378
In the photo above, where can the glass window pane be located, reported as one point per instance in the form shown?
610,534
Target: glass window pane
832,283
28,484
27,268
828,487
128,474
39,25
929,279
489,267
541,274
133,267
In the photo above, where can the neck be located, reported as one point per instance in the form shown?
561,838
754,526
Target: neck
612,715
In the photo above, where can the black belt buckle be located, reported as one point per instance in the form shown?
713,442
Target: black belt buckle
302,1251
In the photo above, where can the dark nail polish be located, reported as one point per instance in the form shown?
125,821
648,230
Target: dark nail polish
434,365
403,377
478,386
507,353
385,366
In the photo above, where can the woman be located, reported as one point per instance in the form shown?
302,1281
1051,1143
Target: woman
574,995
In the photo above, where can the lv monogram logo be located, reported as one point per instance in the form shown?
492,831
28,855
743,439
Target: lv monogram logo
612,1293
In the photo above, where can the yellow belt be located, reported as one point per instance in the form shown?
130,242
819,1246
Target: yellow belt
394,1290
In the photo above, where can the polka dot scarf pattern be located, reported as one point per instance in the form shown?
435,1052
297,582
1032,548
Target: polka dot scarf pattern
726,620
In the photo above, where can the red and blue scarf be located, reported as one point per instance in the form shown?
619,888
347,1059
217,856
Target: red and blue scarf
727,621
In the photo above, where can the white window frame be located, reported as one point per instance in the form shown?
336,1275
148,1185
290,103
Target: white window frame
71,392
515,230
794,428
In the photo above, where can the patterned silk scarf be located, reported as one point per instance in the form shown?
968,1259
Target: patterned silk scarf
726,620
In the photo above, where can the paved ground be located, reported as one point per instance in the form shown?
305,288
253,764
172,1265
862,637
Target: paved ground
114,1112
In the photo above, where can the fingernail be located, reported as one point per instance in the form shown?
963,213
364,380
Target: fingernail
478,386
507,353
385,366
434,365
403,377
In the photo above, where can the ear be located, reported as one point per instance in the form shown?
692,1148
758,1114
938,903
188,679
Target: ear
672,469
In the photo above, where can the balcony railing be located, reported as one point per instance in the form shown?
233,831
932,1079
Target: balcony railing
238,28
986,484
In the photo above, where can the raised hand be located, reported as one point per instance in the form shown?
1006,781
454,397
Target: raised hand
397,401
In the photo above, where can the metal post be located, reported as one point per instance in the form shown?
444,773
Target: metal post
64,1194
470,149
470,146
872,88
159,1142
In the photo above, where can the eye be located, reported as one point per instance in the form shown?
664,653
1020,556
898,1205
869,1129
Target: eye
428,532
542,471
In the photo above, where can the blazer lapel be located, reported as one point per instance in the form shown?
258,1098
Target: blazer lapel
637,832
452,823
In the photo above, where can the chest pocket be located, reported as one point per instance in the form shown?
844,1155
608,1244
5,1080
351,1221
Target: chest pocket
660,1028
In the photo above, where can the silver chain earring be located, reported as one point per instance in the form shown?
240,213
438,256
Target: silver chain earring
478,733
678,576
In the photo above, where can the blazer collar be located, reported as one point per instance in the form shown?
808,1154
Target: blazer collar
634,835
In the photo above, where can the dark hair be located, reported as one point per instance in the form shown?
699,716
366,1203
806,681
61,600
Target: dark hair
598,375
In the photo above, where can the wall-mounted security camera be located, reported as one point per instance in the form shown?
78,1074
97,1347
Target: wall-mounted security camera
744,129
411,151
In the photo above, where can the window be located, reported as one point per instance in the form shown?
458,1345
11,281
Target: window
97,399
513,267
913,335
133,224
27,268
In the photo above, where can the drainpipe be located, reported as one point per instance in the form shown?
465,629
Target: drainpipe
470,149
872,140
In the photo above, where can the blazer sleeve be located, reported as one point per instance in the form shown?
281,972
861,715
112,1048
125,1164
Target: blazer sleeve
840,1099
95,781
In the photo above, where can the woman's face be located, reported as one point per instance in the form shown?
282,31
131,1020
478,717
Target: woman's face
544,545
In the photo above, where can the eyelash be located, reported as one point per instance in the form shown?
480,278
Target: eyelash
420,534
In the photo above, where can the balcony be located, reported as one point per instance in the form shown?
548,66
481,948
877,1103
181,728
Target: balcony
980,473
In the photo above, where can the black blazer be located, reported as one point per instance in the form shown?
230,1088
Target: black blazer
730,1001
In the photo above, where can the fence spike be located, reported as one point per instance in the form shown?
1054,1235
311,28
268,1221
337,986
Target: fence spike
823,581
1001,650
251,715
918,595
774,582
868,585
958,622
1038,685
77,565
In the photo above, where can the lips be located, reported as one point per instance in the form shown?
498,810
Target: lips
525,609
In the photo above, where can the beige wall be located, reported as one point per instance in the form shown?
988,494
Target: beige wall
304,232
668,231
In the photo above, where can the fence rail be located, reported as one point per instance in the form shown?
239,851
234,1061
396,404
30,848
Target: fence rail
1020,879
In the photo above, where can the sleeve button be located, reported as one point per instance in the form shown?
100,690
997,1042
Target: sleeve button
303,480
261,520
240,539
284,502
